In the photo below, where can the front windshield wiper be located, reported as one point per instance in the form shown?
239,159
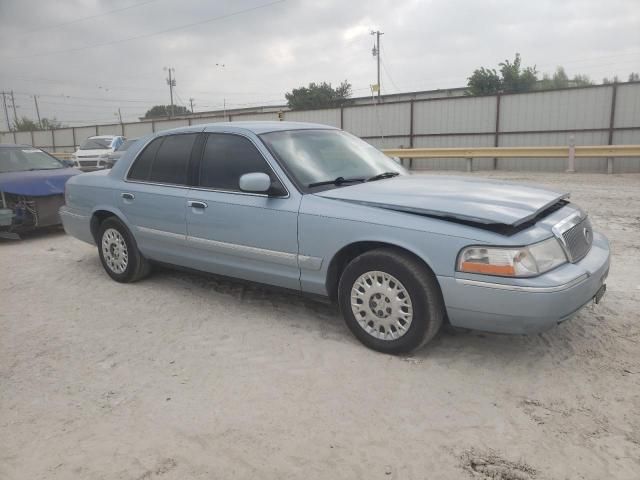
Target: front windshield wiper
380,176
336,181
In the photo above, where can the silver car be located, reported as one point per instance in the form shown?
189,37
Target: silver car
113,157
314,209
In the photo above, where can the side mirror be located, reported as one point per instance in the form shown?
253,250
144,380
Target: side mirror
256,182
67,163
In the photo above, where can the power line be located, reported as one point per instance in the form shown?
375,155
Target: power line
107,87
386,69
79,107
94,99
152,34
56,25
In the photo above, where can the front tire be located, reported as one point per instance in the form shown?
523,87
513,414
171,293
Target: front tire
390,301
119,253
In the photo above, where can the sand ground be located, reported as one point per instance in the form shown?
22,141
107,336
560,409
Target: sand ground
186,376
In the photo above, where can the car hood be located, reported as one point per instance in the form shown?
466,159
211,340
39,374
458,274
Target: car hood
37,183
462,198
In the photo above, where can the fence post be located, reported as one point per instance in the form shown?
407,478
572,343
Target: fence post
153,126
411,132
33,142
571,160
73,137
469,164
612,119
496,137
53,139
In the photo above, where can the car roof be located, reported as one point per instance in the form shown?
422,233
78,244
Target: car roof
256,127
104,136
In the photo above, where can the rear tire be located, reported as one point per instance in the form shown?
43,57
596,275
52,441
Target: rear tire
390,301
119,253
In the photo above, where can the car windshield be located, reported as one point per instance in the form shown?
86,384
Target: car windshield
96,144
125,145
318,156
23,159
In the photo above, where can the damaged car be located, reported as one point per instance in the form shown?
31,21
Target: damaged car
31,189
314,209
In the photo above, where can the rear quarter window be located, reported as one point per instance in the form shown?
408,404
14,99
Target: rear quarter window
165,160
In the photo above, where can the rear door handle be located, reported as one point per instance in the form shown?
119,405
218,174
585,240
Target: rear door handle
196,204
128,196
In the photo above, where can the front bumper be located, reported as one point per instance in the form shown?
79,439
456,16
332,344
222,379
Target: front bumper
90,165
529,306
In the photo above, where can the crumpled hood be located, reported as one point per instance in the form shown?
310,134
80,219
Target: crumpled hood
37,183
463,198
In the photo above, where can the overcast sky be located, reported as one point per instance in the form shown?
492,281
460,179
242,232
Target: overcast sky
83,68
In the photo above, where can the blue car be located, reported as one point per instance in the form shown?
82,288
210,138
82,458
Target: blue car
31,189
314,209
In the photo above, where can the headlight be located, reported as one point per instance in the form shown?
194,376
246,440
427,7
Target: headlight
512,262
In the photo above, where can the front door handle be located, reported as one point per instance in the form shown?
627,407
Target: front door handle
196,204
128,196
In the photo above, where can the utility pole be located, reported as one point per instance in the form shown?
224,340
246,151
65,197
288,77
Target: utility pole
15,113
191,103
6,112
35,100
172,83
376,53
120,115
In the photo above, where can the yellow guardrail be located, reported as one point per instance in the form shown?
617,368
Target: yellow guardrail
569,152
520,152
62,155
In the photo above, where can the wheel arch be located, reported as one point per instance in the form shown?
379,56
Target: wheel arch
100,214
347,253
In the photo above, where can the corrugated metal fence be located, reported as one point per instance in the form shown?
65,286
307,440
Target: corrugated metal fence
595,115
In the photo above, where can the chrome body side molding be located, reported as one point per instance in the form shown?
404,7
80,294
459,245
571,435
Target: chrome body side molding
234,249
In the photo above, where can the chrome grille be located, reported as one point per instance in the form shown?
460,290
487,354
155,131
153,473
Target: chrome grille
577,240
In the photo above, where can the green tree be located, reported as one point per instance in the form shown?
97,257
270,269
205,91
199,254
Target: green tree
25,124
581,80
634,77
515,78
484,81
165,111
318,95
560,79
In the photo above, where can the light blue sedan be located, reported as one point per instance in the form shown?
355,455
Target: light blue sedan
314,209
